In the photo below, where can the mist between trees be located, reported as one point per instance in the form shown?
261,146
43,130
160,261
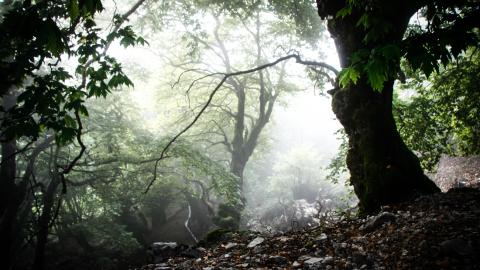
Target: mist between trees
125,123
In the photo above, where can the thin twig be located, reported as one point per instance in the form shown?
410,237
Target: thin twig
215,90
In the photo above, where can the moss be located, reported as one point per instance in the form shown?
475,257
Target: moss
228,217
215,236
309,245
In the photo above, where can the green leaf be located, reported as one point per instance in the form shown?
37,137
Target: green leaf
376,74
348,75
65,135
51,37
364,20
69,121
83,110
390,51
342,13
142,41
73,9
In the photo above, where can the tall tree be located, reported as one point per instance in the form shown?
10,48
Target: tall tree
245,103
39,94
371,37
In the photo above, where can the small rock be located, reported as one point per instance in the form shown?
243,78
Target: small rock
230,245
321,238
161,266
277,260
283,239
313,260
185,265
304,258
191,253
255,242
328,260
378,221
257,249
161,251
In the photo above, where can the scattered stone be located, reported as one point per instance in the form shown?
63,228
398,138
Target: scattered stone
284,239
257,250
191,253
277,260
439,231
255,242
160,266
313,260
230,245
328,260
378,221
321,238
161,251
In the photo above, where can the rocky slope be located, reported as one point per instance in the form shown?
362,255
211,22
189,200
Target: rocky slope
440,231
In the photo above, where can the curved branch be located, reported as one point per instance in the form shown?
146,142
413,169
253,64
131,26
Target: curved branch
215,90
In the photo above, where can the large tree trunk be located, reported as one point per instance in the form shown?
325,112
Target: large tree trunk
383,170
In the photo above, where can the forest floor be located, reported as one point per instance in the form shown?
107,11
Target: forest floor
440,231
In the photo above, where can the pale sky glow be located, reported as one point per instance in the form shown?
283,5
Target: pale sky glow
307,119
315,111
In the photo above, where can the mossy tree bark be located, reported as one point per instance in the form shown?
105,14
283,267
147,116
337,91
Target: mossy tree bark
383,170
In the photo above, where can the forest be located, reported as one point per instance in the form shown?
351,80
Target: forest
238,134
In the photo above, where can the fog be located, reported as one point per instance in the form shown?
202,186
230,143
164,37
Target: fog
188,147
301,134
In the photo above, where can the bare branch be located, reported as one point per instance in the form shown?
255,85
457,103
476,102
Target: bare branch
225,141
215,90
68,168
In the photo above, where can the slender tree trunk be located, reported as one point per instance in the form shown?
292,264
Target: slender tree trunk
9,196
11,193
383,170
48,203
46,218
237,166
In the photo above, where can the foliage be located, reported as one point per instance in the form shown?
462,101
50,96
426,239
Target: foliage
198,165
36,37
442,117
305,18
450,30
337,168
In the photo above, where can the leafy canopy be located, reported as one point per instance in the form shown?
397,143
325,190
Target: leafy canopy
442,117
451,27
36,38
